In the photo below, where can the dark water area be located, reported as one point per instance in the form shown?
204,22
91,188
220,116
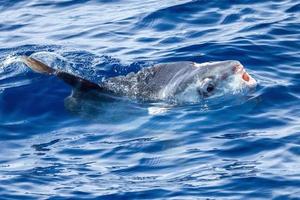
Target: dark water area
54,146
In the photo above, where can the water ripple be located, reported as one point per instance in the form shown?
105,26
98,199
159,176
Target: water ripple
57,146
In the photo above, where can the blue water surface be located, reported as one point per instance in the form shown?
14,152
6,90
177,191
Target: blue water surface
54,146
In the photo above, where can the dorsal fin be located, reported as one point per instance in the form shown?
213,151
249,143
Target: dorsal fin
38,66
75,81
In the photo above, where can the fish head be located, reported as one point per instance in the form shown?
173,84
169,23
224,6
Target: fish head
215,79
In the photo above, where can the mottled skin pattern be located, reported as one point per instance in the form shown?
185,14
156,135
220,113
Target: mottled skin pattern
148,82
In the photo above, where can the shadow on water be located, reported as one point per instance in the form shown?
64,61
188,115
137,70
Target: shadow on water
104,108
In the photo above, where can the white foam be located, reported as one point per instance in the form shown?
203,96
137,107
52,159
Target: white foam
10,60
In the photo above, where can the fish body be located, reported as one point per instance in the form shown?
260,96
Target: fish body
177,82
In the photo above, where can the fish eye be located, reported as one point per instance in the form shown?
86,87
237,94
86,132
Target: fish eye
210,87
206,87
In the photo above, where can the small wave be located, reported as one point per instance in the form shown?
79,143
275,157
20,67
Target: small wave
54,145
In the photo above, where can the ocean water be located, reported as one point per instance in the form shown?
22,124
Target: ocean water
54,146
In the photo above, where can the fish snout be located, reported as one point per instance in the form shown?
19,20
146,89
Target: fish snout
240,70
237,68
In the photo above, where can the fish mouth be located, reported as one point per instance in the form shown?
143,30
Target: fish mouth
251,82
239,69
246,77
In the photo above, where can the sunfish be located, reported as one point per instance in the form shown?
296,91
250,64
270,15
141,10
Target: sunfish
177,82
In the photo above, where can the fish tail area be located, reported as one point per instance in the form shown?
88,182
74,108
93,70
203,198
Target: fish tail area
75,81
